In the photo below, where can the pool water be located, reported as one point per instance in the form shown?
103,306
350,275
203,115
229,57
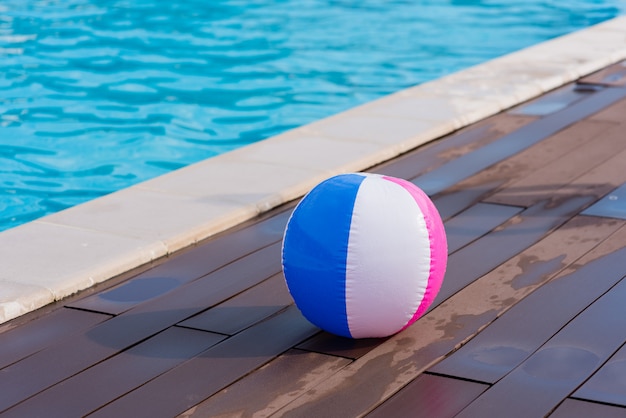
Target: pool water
98,95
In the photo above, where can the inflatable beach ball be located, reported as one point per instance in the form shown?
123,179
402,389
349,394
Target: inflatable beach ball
364,255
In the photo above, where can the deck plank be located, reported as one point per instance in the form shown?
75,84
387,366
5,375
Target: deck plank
613,113
25,378
608,385
430,396
453,202
110,379
612,205
552,102
434,154
469,164
475,222
545,181
573,408
613,75
270,387
502,175
550,374
245,309
499,177
511,339
334,345
186,267
504,243
181,388
21,342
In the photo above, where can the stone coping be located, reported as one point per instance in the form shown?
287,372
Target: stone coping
58,255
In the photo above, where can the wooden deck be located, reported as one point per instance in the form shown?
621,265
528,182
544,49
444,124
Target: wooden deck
529,322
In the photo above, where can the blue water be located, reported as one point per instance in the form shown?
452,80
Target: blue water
98,95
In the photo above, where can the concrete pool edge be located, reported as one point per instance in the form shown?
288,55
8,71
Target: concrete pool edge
58,255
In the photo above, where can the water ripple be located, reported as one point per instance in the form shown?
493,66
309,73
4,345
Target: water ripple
96,96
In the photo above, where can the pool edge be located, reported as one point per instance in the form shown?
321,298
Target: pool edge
61,254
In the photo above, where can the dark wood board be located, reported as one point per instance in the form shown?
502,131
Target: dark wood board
112,378
189,384
72,355
430,396
558,367
34,336
469,164
245,309
271,386
468,139
186,267
510,340
573,408
608,384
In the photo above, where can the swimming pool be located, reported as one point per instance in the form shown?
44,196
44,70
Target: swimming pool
95,97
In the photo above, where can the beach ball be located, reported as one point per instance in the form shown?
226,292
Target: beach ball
364,255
